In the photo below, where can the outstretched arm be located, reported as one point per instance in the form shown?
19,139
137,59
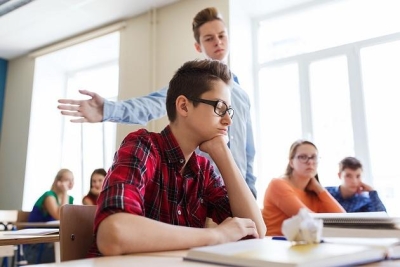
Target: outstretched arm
139,110
90,110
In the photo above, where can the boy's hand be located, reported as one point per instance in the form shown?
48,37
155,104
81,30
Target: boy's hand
213,144
89,110
234,229
364,188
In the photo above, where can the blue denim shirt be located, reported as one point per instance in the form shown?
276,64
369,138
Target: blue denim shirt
364,202
144,109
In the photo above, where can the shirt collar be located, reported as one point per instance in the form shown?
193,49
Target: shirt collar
174,152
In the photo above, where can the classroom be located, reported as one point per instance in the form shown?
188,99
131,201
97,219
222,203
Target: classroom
320,70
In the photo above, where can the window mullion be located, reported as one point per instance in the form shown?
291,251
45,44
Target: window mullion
358,111
305,99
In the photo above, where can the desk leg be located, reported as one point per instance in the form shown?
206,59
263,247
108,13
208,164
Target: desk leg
57,251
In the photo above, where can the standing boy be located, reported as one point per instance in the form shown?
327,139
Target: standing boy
353,194
158,192
211,38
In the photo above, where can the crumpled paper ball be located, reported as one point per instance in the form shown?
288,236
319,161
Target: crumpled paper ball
303,228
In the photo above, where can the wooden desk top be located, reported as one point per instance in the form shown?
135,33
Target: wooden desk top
27,239
130,260
156,259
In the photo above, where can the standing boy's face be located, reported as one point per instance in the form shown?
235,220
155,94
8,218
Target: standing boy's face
351,179
214,43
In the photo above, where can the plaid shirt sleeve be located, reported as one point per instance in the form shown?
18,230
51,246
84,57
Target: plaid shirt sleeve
124,186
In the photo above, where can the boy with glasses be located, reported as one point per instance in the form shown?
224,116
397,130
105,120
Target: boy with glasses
158,192
353,194
211,38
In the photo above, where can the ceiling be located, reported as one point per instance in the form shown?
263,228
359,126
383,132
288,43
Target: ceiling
43,22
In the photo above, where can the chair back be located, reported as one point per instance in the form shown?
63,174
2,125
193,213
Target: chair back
76,231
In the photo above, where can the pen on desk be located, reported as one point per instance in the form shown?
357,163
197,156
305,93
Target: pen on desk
284,238
279,238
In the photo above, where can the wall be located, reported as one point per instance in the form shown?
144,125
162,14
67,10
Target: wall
148,58
3,74
14,136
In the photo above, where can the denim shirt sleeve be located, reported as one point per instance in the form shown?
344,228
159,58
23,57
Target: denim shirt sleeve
250,154
138,110
376,203
242,144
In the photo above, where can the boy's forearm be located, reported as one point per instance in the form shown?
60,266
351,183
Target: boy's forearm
124,233
242,201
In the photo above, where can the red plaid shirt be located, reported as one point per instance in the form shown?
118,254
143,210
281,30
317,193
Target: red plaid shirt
145,180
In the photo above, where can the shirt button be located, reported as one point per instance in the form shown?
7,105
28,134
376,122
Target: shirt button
181,160
179,212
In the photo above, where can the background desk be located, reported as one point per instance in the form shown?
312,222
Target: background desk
27,239
6,240
52,224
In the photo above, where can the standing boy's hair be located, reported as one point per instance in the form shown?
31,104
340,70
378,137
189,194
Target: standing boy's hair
204,16
193,79
349,163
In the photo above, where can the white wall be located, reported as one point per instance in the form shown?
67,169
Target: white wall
148,60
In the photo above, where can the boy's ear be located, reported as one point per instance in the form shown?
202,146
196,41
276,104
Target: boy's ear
198,47
181,105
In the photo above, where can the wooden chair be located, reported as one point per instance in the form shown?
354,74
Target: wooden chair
76,231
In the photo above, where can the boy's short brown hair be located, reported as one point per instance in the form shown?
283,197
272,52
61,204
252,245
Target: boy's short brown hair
349,163
204,16
193,79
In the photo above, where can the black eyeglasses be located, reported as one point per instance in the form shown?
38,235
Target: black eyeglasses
220,107
305,159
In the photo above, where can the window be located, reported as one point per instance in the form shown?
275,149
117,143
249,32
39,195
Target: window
345,71
381,83
331,114
54,142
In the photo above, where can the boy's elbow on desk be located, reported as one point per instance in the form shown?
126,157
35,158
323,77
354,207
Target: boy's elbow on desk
109,238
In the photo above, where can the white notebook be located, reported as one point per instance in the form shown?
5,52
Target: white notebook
358,219
33,231
277,253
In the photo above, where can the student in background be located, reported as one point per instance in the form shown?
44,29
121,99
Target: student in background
298,188
96,183
47,208
353,194
158,189
211,39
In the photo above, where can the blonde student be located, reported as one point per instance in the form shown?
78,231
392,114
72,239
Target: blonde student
298,188
47,208
159,192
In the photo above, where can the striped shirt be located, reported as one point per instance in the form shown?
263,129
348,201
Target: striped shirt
145,179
